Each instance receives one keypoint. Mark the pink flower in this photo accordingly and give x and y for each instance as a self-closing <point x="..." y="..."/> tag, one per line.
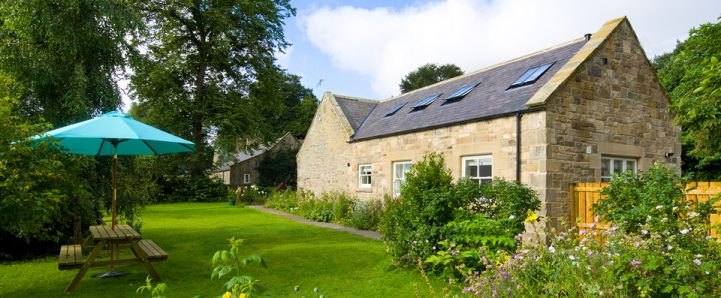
<point x="697" y="262"/>
<point x="582" y="232"/>
<point x="635" y="262"/>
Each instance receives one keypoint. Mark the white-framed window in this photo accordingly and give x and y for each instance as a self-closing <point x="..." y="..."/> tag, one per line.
<point x="612" y="165"/>
<point x="400" y="168"/>
<point x="364" y="175"/>
<point x="478" y="168"/>
<point x="246" y="178"/>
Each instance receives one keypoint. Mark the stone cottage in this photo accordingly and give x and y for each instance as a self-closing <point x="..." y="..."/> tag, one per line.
<point x="576" y="112"/>
<point x="243" y="169"/>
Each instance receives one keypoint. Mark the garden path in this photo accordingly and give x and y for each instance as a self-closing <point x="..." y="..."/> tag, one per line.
<point x="363" y="233"/>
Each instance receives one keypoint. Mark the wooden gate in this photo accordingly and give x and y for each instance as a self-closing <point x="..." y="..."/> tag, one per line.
<point x="584" y="195"/>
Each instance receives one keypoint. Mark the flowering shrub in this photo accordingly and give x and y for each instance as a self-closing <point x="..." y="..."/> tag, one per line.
<point x="621" y="265"/>
<point x="657" y="245"/>
<point x="253" y="195"/>
<point x="653" y="199"/>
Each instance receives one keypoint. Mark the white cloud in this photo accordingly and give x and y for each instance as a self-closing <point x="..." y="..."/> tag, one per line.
<point x="385" y="43"/>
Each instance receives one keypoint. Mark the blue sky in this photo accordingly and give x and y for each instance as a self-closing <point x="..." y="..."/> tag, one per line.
<point x="364" y="48"/>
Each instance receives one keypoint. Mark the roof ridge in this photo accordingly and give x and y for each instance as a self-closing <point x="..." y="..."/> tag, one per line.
<point x="487" y="68"/>
<point x="366" y="100"/>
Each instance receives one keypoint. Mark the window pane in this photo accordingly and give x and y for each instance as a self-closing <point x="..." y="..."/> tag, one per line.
<point x="605" y="167"/>
<point x="486" y="171"/>
<point x="617" y="166"/>
<point x="472" y="168"/>
<point x="631" y="166"/>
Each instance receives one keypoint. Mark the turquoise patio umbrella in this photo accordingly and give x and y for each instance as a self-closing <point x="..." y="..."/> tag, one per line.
<point x="113" y="134"/>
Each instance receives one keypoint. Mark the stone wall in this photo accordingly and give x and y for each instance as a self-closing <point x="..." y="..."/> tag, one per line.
<point x="327" y="162"/>
<point x="612" y="105"/>
<point x="325" y="156"/>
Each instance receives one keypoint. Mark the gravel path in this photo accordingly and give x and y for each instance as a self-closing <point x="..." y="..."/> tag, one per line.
<point x="367" y="234"/>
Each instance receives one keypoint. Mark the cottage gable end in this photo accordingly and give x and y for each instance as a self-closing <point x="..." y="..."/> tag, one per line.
<point x="324" y="155"/>
<point x="610" y="114"/>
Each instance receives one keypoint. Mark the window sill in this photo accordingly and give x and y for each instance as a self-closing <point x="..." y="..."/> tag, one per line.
<point x="364" y="189"/>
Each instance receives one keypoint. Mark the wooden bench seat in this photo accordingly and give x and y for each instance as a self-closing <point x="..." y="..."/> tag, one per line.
<point x="152" y="250"/>
<point x="71" y="257"/>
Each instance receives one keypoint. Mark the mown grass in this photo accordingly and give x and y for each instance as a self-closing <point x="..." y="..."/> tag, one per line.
<point x="338" y="263"/>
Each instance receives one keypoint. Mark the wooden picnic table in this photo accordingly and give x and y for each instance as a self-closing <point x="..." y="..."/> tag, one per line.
<point x="104" y="237"/>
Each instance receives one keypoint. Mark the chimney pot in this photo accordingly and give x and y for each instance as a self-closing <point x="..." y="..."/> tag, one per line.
<point x="587" y="36"/>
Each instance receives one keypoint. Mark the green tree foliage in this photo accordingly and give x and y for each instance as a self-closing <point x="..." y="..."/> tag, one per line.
<point x="691" y="74"/>
<point x="278" y="168"/>
<point x="40" y="192"/>
<point x="202" y="56"/>
<point x="285" y="104"/>
<point x="65" y="54"/>
<point x="427" y="75"/>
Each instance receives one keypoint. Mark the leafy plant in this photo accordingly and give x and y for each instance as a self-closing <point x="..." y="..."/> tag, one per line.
<point x="156" y="291"/>
<point x="230" y="262"/>
<point x="652" y="201"/>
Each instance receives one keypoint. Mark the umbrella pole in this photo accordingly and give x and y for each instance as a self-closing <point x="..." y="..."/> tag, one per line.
<point x="115" y="190"/>
<point x="114" y="249"/>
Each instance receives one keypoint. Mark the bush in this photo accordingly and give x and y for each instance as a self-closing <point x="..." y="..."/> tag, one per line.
<point x="334" y="207"/>
<point x="411" y="225"/>
<point x="620" y="266"/>
<point x="186" y="188"/>
<point x="286" y="200"/>
<point x="432" y="216"/>
<point x="253" y="195"/>
<point x="657" y="245"/>
<point x="366" y="215"/>
<point x="652" y="201"/>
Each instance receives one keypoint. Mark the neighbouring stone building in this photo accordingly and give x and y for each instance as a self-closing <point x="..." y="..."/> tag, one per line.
<point x="243" y="169"/>
<point x="576" y="112"/>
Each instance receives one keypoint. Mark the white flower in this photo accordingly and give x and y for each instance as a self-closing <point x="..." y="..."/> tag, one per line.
<point x="644" y="232"/>
<point x="659" y="207"/>
<point x="670" y="247"/>
<point x="674" y="208"/>
<point x="693" y="214"/>
<point x="572" y="257"/>
<point x="684" y="231"/>
<point x="512" y="216"/>
<point x="552" y="249"/>
<point x="664" y="219"/>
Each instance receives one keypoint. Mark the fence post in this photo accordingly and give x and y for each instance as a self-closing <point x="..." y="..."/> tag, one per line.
<point x="572" y="196"/>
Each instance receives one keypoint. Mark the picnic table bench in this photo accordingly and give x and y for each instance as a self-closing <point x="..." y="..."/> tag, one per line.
<point x="104" y="237"/>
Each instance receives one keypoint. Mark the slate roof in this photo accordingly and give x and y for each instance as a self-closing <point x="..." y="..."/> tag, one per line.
<point x="240" y="157"/>
<point x="355" y="110"/>
<point x="491" y="98"/>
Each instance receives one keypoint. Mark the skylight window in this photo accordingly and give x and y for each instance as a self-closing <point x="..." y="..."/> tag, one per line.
<point x="531" y="75"/>
<point x="425" y="102"/>
<point x="395" y="109"/>
<point x="461" y="92"/>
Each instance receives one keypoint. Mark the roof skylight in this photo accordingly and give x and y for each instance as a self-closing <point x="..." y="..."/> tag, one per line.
<point x="461" y="92"/>
<point x="531" y="75"/>
<point x="425" y="102"/>
<point x="395" y="109"/>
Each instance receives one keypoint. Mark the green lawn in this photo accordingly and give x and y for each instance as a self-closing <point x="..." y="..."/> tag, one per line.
<point x="340" y="264"/>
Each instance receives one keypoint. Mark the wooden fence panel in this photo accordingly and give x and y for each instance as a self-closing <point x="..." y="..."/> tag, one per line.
<point x="585" y="194"/>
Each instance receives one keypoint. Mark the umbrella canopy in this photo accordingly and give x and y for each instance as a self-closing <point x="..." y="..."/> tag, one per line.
<point x="113" y="134"/>
<point x="116" y="133"/>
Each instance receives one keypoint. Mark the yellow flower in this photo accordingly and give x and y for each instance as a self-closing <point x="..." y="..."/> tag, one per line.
<point x="226" y="295"/>
<point x="532" y="216"/>
<point x="242" y="295"/>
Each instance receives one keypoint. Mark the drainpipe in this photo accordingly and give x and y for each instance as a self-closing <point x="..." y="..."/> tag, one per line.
<point x="518" y="146"/>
